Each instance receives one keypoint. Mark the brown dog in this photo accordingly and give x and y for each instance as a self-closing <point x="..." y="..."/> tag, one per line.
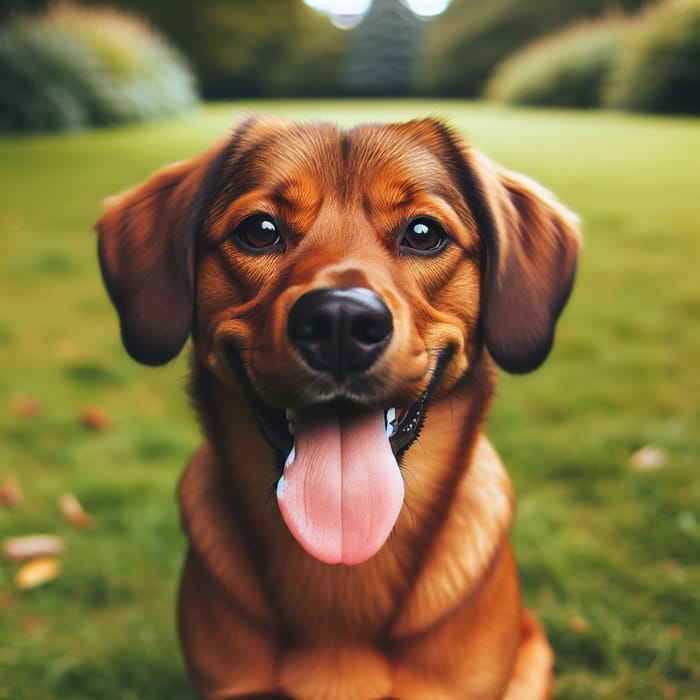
<point x="348" y="520"/>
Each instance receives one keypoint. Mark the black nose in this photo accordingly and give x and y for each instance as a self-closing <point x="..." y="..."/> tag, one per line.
<point x="340" y="330"/>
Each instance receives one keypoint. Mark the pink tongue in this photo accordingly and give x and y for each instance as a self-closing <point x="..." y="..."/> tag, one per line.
<point x="341" y="493"/>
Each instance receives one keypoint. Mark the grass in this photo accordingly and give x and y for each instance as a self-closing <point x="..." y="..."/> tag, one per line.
<point x="608" y="555"/>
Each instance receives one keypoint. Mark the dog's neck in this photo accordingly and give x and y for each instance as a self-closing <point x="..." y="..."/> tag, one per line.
<point x="435" y="468"/>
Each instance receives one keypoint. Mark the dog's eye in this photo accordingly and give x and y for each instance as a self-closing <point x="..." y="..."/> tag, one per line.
<point x="423" y="235"/>
<point x="258" y="232"/>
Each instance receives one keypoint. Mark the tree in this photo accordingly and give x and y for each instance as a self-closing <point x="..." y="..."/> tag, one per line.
<point x="383" y="51"/>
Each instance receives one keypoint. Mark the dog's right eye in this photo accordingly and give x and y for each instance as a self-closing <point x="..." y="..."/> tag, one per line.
<point x="257" y="233"/>
<point x="423" y="236"/>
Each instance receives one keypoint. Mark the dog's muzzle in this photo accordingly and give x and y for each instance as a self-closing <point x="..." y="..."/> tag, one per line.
<point x="340" y="489"/>
<point x="340" y="331"/>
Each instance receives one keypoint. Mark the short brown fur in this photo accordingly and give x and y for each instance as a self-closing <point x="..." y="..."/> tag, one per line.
<point x="436" y="614"/>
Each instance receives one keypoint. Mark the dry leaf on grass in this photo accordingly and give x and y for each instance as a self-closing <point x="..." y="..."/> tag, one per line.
<point x="36" y="573"/>
<point x="73" y="512"/>
<point x="10" y="492"/>
<point x="95" y="418"/>
<point x="578" y="624"/>
<point x="66" y="350"/>
<point x="675" y="631"/>
<point x="7" y="601"/>
<point x="647" y="459"/>
<point x="31" y="546"/>
<point x="26" y="407"/>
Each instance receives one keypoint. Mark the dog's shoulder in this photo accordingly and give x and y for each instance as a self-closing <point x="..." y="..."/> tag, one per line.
<point x="215" y="536"/>
<point x="470" y="540"/>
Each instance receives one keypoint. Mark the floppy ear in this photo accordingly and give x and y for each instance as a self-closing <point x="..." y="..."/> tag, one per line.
<point x="146" y="242"/>
<point x="532" y="249"/>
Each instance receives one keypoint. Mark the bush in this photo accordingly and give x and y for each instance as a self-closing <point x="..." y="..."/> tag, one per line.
<point x="74" y="67"/>
<point x="567" y="69"/>
<point x="310" y="65"/>
<point x="36" y="91"/>
<point x="465" y="44"/>
<point x="658" y="69"/>
<point x="242" y="48"/>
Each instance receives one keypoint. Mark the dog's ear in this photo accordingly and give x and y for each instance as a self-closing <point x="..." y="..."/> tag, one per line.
<point x="531" y="249"/>
<point x="146" y="250"/>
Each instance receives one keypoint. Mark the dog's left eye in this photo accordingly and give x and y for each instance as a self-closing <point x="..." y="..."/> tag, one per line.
<point x="423" y="235"/>
<point x="258" y="232"/>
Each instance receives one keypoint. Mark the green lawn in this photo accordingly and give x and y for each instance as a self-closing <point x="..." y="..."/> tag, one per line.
<point x="609" y="555"/>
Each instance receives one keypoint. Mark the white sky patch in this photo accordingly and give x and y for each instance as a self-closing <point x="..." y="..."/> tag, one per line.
<point x="347" y="14"/>
<point x="427" y="8"/>
<point x="340" y="7"/>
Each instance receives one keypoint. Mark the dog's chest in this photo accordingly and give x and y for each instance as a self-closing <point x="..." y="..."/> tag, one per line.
<point x="338" y="600"/>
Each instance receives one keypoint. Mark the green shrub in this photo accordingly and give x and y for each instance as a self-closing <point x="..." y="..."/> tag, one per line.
<point x="465" y="44"/>
<point x="658" y="69"/>
<point x="40" y="80"/>
<point x="308" y="57"/>
<point x="567" y="69"/>
<point x="74" y="67"/>
<point x="253" y="48"/>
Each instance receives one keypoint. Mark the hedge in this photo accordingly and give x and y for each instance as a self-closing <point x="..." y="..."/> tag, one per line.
<point x="74" y="67"/>
<point x="658" y="69"/>
<point x="463" y="46"/>
<point x="567" y="69"/>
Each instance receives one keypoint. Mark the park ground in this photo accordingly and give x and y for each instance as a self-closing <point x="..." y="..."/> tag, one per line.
<point x="609" y="551"/>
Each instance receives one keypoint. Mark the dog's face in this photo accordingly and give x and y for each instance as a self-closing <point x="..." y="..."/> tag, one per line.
<point x="345" y="279"/>
<point x="352" y="271"/>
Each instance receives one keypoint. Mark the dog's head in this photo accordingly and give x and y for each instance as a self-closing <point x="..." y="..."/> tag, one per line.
<point x="344" y="278"/>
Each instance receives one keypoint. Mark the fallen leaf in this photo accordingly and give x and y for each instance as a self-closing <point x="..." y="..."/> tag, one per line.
<point x="669" y="691"/>
<point x="26" y="407"/>
<point x="36" y="573"/>
<point x="73" y="512"/>
<point x="7" y="601"/>
<point x="10" y="492"/>
<point x="66" y="350"/>
<point x="578" y="624"/>
<point x="671" y="566"/>
<point x="32" y="624"/>
<point x="31" y="546"/>
<point x="647" y="459"/>
<point x="96" y="418"/>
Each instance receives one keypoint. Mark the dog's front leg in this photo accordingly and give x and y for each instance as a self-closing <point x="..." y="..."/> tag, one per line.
<point x="473" y="652"/>
<point x="532" y="675"/>
<point x="228" y="655"/>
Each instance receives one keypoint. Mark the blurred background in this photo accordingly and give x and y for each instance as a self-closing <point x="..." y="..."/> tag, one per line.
<point x="598" y="100"/>
<point x="65" y="65"/>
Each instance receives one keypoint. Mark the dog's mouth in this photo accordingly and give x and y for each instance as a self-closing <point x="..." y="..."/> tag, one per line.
<point x="340" y="488"/>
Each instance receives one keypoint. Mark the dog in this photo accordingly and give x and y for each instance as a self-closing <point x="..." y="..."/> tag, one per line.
<point x="349" y="294"/>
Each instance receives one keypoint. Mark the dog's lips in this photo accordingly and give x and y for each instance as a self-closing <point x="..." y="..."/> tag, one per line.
<point x="341" y="491"/>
